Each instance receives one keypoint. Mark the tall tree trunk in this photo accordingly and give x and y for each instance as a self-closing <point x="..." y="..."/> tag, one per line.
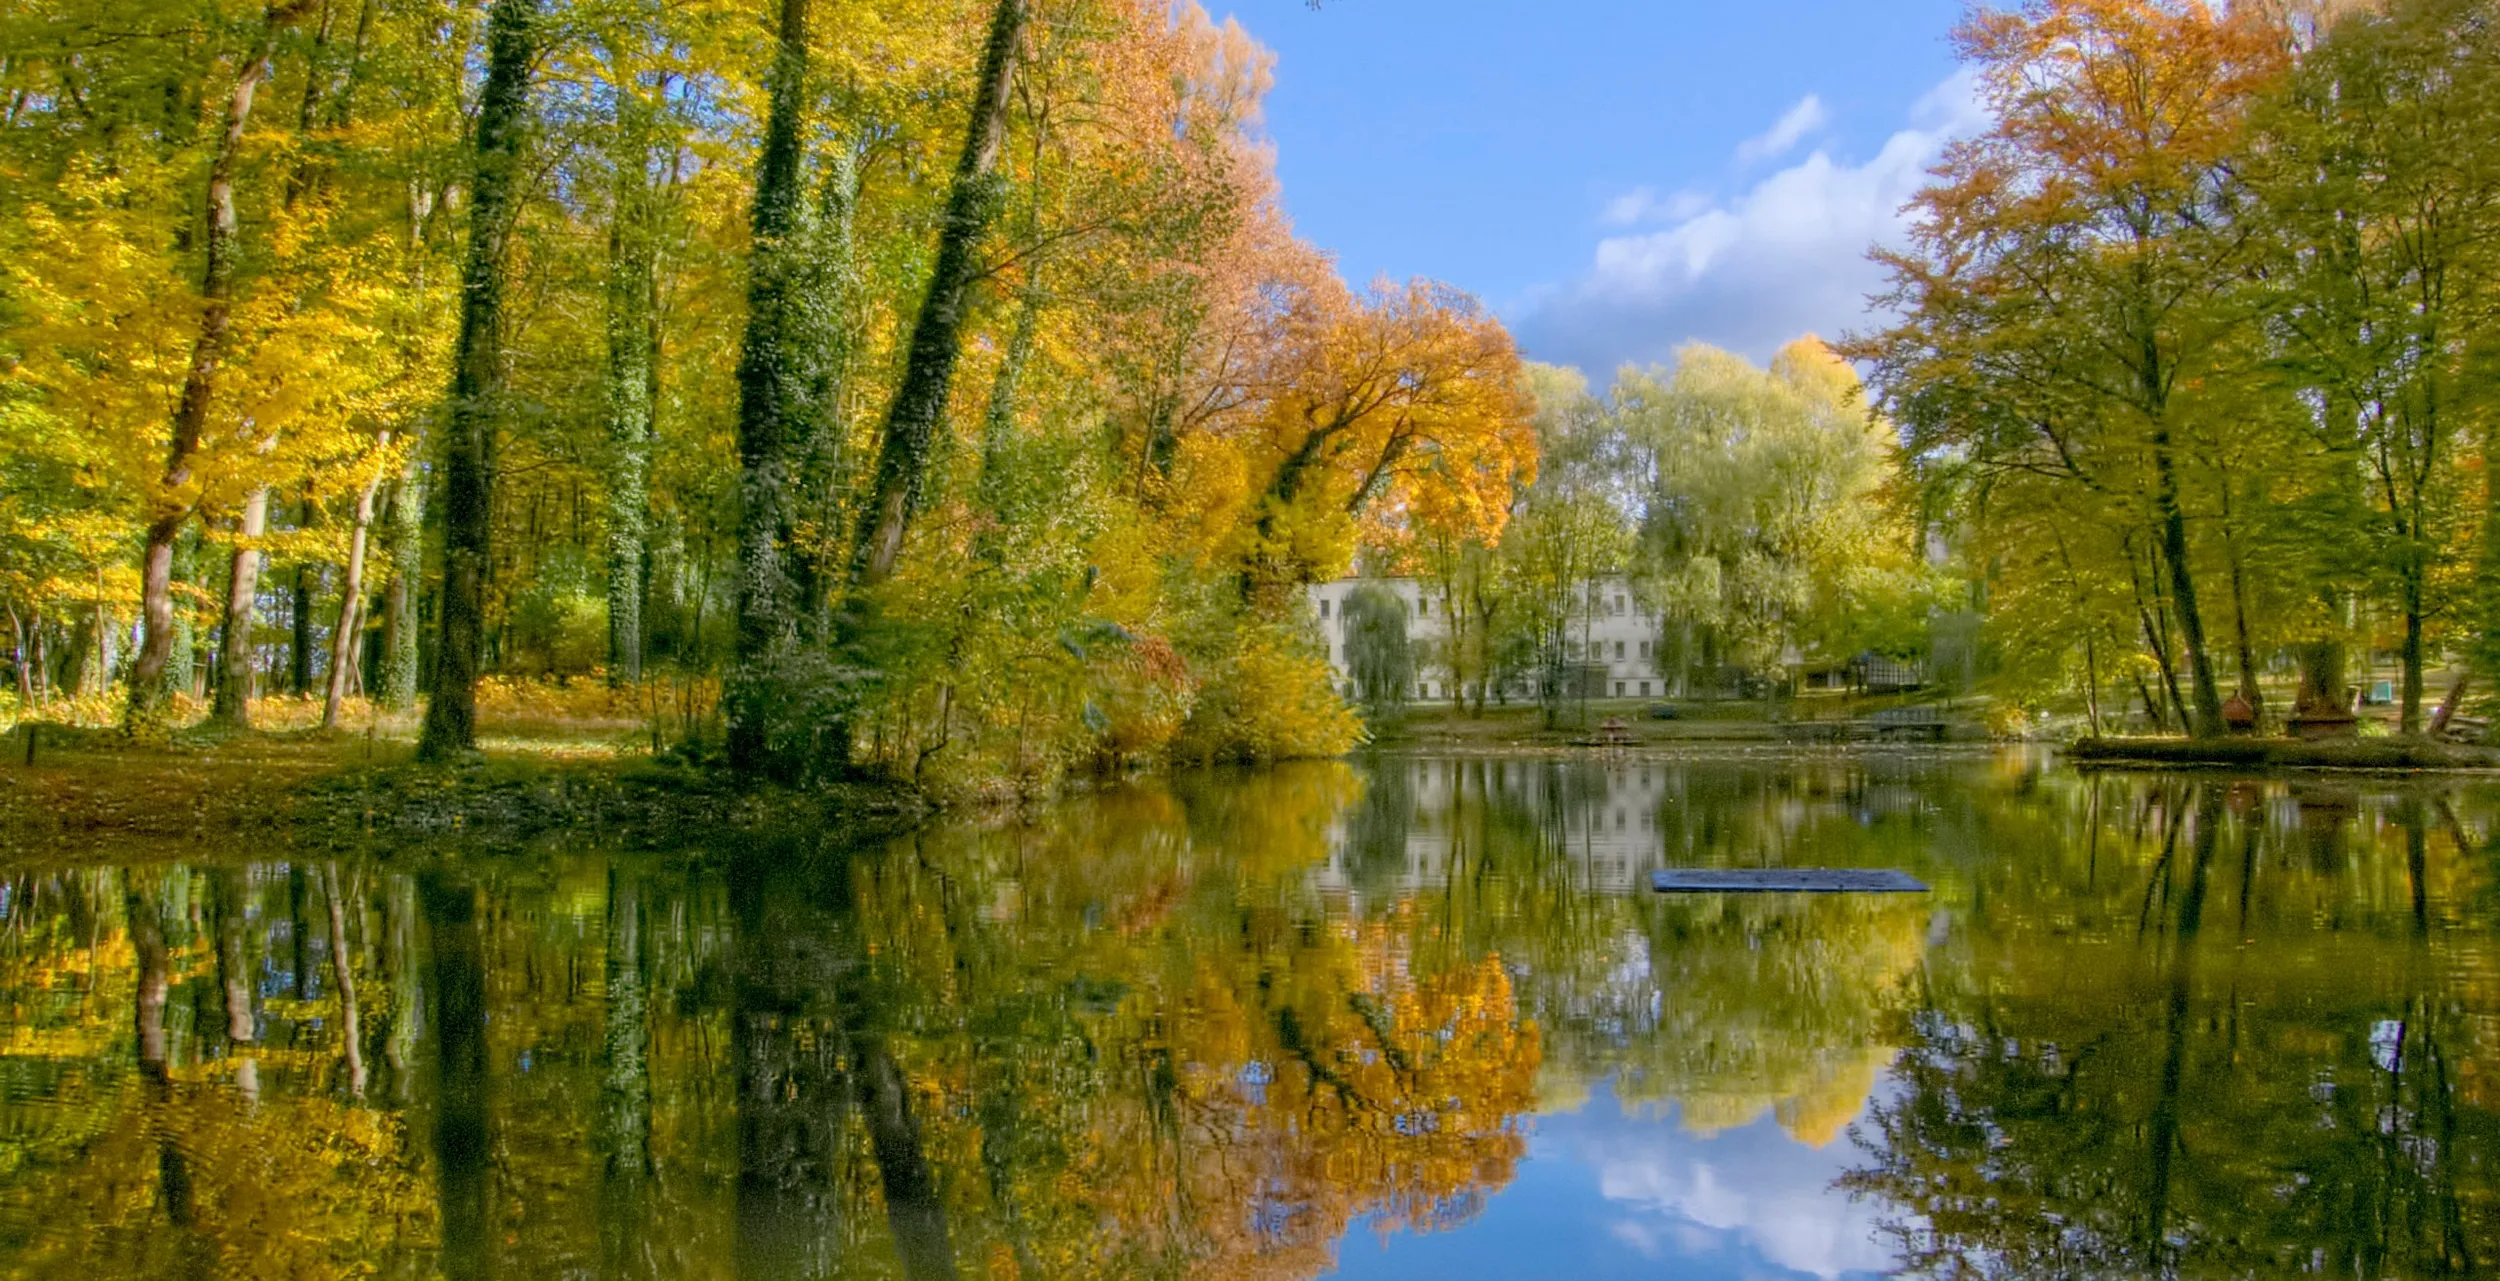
<point x="831" y="279"/>
<point x="2207" y="722"/>
<point x="998" y="421"/>
<point x="397" y="688"/>
<point x="2250" y="690"/>
<point x="2411" y="722"/>
<point x="768" y="388"/>
<point x="920" y="400"/>
<point x="299" y="670"/>
<point x="199" y="383"/>
<point x="23" y="660"/>
<point x="631" y="368"/>
<point x="477" y="382"/>
<point x="182" y="665"/>
<point x="233" y="705"/>
<point x="344" y="637"/>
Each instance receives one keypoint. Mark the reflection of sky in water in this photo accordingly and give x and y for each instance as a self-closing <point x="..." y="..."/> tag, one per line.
<point x="1610" y="1194"/>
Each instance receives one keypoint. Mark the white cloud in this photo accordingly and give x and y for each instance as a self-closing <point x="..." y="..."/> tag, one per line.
<point x="1789" y="130"/>
<point x="1775" y="1198"/>
<point x="1644" y="205"/>
<point x="1785" y="257"/>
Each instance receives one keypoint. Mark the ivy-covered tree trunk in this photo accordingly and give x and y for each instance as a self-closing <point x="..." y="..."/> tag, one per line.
<point x="768" y="387"/>
<point x="199" y="383"/>
<point x="477" y="382"/>
<point x="396" y="687"/>
<point x="826" y="337"/>
<point x="182" y="665"/>
<point x="233" y="704"/>
<point x="998" y="422"/>
<point x="631" y="370"/>
<point x="936" y="339"/>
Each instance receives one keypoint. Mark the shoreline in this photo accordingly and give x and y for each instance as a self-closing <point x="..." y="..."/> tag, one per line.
<point x="94" y="798"/>
<point x="2383" y="755"/>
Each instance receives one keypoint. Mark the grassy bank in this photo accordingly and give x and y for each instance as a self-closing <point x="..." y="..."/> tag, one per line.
<point x="92" y="794"/>
<point x="2281" y="753"/>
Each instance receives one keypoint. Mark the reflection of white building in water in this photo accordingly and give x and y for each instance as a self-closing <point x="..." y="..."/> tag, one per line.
<point x="1611" y="644"/>
<point x="1604" y="822"/>
<point x="1607" y="823"/>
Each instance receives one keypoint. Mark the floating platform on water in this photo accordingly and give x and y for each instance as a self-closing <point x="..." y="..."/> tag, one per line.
<point x="1784" y="880"/>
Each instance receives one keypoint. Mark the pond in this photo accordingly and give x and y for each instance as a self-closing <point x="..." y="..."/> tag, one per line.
<point x="1407" y="1018"/>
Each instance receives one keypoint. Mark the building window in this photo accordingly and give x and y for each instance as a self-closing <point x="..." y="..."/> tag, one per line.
<point x="1618" y="689"/>
<point x="1618" y="650"/>
<point x="1323" y="607"/>
<point x="1644" y="689"/>
<point x="1619" y="605"/>
<point x="1644" y="649"/>
<point x="1424" y="607"/>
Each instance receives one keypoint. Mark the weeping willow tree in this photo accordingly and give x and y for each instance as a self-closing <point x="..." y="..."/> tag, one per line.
<point x="1377" y="652"/>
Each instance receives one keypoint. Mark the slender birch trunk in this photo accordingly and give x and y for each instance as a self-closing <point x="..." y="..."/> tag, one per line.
<point x="343" y="655"/>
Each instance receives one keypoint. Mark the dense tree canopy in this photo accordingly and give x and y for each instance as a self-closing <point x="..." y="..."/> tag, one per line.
<point x="1032" y="391"/>
<point x="2190" y="341"/>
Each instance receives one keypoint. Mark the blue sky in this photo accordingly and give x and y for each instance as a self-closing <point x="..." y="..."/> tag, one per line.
<point x="1613" y="177"/>
<point x="1607" y="1193"/>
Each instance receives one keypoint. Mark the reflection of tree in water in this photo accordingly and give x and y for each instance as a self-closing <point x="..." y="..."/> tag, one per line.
<point x="1727" y="1007"/>
<point x="2205" y="1031"/>
<point x="2197" y="1080"/>
<point x="1174" y="1062"/>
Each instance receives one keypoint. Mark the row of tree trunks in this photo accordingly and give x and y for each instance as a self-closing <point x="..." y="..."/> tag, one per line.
<point x="199" y="384"/>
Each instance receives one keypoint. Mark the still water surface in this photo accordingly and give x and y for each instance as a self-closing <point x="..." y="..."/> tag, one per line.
<point x="1417" y="1018"/>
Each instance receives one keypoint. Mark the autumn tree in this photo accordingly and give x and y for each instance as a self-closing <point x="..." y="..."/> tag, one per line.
<point x="1396" y="405"/>
<point x="2072" y="280"/>
<point x="2379" y="188"/>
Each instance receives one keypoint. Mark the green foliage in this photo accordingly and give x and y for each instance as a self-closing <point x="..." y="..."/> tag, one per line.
<point x="557" y="623"/>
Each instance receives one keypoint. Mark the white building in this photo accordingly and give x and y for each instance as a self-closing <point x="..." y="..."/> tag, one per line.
<point x="1611" y="643"/>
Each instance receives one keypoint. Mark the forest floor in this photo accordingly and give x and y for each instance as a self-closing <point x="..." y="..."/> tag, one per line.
<point x="94" y="795"/>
